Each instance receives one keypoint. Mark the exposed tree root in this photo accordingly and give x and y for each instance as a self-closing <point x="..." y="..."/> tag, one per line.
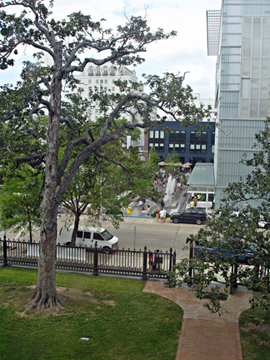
<point x="45" y="301"/>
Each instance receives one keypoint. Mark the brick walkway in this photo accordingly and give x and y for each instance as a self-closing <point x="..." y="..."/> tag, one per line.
<point x="205" y="336"/>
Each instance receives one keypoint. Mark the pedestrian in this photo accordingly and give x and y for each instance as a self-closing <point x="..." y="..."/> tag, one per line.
<point x="163" y="214"/>
<point x="157" y="214"/>
<point x="103" y="213"/>
<point x="162" y="204"/>
<point x="245" y="207"/>
<point x="97" y="212"/>
<point x="158" y="261"/>
<point x="148" y="210"/>
<point x="192" y="204"/>
<point x="150" y="261"/>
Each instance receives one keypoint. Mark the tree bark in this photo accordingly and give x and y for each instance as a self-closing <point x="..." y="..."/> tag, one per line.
<point x="74" y="233"/>
<point x="46" y="295"/>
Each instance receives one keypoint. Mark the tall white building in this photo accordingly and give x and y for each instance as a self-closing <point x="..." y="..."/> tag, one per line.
<point x="239" y="35"/>
<point x="102" y="78"/>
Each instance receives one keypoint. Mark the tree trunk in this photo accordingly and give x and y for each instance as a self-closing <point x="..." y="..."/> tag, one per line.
<point x="46" y="295"/>
<point x="74" y="233"/>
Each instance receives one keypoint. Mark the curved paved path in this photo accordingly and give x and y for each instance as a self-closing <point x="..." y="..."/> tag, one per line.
<point x="205" y="336"/>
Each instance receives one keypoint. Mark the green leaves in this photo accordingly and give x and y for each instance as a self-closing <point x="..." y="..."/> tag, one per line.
<point x="239" y="227"/>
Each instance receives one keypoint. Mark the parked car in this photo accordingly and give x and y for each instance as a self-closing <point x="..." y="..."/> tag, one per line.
<point x="226" y="251"/>
<point x="88" y="237"/>
<point x="197" y="216"/>
<point x="263" y="224"/>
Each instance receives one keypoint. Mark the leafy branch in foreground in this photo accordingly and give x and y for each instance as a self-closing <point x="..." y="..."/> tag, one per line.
<point x="236" y="248"/>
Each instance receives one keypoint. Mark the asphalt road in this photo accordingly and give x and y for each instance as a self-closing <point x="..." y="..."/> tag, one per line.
<point x="138" y="232"/>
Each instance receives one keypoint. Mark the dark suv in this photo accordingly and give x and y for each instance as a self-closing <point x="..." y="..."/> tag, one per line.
<point x="197" y="216"/>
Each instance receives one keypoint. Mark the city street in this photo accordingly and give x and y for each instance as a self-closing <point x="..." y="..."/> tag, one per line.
<point x="136" y="233"/>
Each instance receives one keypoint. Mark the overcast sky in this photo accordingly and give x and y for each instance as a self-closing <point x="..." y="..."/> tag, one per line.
<point x="185" y="52"/>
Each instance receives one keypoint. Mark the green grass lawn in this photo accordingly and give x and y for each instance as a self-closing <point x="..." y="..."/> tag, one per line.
<point x="255" y="338"/>
<point x="120" y="320"/>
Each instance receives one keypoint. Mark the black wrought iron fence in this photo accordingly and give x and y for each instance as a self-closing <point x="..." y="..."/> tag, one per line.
<point x="123" y="262"/>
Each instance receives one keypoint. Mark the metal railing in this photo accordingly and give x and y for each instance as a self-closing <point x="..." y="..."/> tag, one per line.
<point x="94" y="260"/>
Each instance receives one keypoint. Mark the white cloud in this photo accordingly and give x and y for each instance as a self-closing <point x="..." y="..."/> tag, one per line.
<point x="185" y="52"/>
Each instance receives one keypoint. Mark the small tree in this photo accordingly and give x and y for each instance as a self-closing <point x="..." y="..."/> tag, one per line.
<point x="20" y="199"/>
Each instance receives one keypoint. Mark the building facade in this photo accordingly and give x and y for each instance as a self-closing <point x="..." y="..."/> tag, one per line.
<point x="183" y="142"/>
<point x="102" y="78"/>
<point x="239" y="35"/>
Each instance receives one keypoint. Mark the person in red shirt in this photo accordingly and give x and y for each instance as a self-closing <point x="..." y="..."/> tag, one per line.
<point x="157" y="214"/>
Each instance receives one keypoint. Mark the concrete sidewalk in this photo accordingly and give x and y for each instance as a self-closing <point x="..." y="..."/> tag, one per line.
<point x="205" y="336"/>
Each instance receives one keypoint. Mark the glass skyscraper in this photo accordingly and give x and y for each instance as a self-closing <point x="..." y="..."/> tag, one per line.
<point x="239" y="35"/>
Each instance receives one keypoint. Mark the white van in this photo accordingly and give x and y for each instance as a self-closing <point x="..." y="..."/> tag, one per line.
<point x="88" y="236"/>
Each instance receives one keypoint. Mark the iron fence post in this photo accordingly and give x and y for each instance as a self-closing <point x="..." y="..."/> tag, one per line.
<point x="95" y="273"/>
<point x="171" y="260"/>
<point x="5" y="261"/>
<point x="144" y="277"/>
<point x="174" y="258"/>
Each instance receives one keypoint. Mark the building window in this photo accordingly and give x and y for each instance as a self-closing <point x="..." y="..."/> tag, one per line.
<point x="156" y="134"/>
<point x="174" y="135"/>
<point x="213" y="138"/>
<point x="182" y="148"/>
<point x="198" y="144"/>
<point x="182" y="137"/>
<point x="101" y="81"/>
<point x="158" y="146"/>
<point x="97" y="81"/>
<point x="90" y="71"/>
<point x="245" y="84"/>
<point x="204" y="137"/>
<point x="89" y="81"/>
<point x="112" y="71"/>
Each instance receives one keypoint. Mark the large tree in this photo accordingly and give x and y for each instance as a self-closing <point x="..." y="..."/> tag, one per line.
<point x="234" y="230"/>
<point x="41" y="88"/>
